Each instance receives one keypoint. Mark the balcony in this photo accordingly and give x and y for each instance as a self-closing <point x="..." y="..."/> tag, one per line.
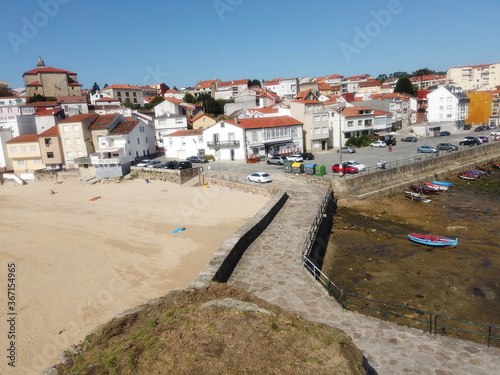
<point x="96" y="159"/>
<point x="223" y="144"/>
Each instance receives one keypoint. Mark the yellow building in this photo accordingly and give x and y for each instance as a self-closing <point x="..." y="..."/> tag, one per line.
<point x="24" y="151"/>
<point x="202" y="121"/>
<point x="479" y="108"/>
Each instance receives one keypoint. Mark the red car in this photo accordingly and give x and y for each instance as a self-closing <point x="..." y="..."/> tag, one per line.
<point x="336" y="168"/>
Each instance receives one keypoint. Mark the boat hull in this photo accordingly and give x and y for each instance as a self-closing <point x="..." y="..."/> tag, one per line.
<point x="431" y="240"/>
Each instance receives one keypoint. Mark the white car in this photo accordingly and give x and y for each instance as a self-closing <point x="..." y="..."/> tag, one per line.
<point x="143" y="163"/>
<point x="378" y="144"/>
<point x="494" y="134"/>
<point x="260" y="177"/>
<point x="356" y="164"/>
<point x="348" y="150"/>
<point x="295" y="158"/>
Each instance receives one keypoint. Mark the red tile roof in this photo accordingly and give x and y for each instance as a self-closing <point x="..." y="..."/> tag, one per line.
<point x="324" y="86"/>
<point x="123" y="87"/>
<point x="124" y="127"/>
<point x="72" y="99"/>
<point x="34" y="83"/>
<point x="79" y="118"/>
<point x="235" y="83"/>
<point x="307" y="101"/>
<point x="267" y="122"/>
<point x="354" y="112"/>
<point x="107" y="100"/>
<point x="24" y="138"/>
<point x="48" y="70"/>
<point x="185" y="133"/>
<point x="264" y="110"/>
<point x="41" y="104"/>
<point x="50" y="132"/>
<point x="49" y="112"/>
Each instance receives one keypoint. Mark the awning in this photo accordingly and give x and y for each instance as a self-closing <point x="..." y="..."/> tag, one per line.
<point x="108" y="150"/>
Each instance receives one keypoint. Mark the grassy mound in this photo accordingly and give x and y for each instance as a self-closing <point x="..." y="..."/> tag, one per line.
<point x="213" y="330"/>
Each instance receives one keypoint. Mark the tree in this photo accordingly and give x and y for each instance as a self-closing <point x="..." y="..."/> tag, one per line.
<point x="398" y="74"/>
<point x="189" y="98"/>
<point x="256" y="82"/>
<point x="422" y="72"/>
<point x="155" y="101"/>
<point x="127" y="103"/>
<point x="95" y="88"/>
<point x="105" y="85"/>
<point x="5" y="90"/>
<point x="404" y="86"/>
<point x="382" y="78"/>
<point x="37" y="98"/>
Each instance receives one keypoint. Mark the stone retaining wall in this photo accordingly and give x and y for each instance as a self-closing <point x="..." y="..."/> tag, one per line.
<point x="171" y="175"/>
<point x="220" y="268"/>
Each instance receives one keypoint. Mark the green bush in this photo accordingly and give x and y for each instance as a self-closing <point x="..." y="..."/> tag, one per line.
<point x="361" y="141"/>
<point x="209" y="157"/>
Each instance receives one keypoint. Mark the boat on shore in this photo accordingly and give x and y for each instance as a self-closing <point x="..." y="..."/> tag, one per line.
<point x="442" y="183"/>
<point x="414" y="196"/>
<point x="432" y="240"/>
<point x="421" y="188"/>
<point x="495" y="165"/>
<point x="436" y="186"/>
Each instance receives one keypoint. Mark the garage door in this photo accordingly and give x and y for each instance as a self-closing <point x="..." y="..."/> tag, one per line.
<point x="181" y="155"/>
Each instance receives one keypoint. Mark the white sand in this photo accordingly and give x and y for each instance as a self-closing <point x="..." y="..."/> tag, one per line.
<point x="81" y="262"/>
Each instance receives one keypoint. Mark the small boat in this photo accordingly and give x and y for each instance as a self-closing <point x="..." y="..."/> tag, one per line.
<point x="442" y="183"/>
<point x="484" y="170"/>
<point x="423" y="189"/>
<point x="436" y="186"/>
<point x="414" y="196"/>
<point x="431" y="240"/>
<point x="466" y="175"/>
<point x="495" y="165"/>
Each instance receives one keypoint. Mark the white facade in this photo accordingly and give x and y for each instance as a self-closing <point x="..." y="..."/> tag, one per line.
<point x="288" y="88"/>
<point x="447" y="103"/>
<point x="225" y="141"/>
<point x="181" y="144"/>
<point x="167" y="107"/>
<point x="5" y="162"/>
<point x="10" y="108"/>
<point x="168" y="124"/>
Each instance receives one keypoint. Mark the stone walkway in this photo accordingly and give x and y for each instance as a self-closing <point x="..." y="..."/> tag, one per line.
<point x="271" y="269"/>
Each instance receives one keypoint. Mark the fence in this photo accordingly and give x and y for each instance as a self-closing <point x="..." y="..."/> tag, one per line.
<point x="388" y="311"/>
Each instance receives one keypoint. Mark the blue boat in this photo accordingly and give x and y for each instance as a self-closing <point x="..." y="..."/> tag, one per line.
<point x="442" y="183"/>
<point x="431" y="240"/>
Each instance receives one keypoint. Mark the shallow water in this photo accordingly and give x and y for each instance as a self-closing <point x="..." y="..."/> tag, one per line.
<point x="369" y="254"/>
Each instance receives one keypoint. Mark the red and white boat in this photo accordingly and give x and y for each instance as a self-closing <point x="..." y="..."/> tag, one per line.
<point x="436" y="186"/>
<point x="432" y="240"/>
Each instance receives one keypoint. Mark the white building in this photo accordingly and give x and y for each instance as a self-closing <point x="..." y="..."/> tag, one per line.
<point x="486" y="77"/>
<point x="183" y="143"/>
<point x="10" y="107"/>
<point x="125" y="92"/>
<point x="119" y="141"/>
<point x="447" y="104"/>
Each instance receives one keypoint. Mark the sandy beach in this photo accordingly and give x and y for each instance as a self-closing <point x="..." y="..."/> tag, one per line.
<point x="79" y="262"/>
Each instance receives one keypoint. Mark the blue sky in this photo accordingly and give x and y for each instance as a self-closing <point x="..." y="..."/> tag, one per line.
<point x="181" y="42"/>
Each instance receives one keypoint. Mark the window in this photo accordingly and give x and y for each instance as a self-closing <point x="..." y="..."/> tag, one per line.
<point x="13" y="149"/>
<point x="230" y="136"/>
<point x="448" y="99"/>
<point x="127" y="94"/>
<point x="360" y="122"/>
<point x="294" y="132"/>
<point x="170" y="142"/>
<point x="222" y="125"/>
<point x="23" y="148"/>
<point x="128" y="140"/>
<point x="32" y="148"/>
<point x="76" y="128"/>
<point x="317" y="118"/>
<point x="254" y="136"/>
<point x="441" y="100"/>
<point x="350" y="123"/>
<point x="119" y="93"/>
<point x="48" y="141"/>
<point x="20" y="162"/>
<point x="37" y="161"/>
<point x="324" y="130"/>
<point x="80" y="154"/>
<point x="138" y="141"/>
<point x="65" y="128"/>
<point x="67" y="141"/>
<point x="200" y="139"/>
<point x="50" y="155"/>
<point x="69" y="155"/>
<point x="441" y="107"/>
<point x="317" y="130"/>
<point x="78" y="141"/>
<point x="183" y="141"/>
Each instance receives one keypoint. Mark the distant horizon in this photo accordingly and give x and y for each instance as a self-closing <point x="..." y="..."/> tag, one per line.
<point x="182" y="44"/>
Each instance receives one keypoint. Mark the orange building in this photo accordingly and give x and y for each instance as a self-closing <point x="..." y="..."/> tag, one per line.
<point x="479" y="107"/>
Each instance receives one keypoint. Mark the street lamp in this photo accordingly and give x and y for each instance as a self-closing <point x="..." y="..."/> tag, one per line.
<point x="339" y="111"/>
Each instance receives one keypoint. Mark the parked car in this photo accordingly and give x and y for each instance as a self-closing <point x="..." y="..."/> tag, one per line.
<point x="152" y="163"/>
<point x="197" y="159"/>
<point x="348" y="150"/>
<point x="143" y="163"/>
<point x="390" y="141"/>
<point x="183" y="165"/>
<point x="295" y="158"/>
<point x="409" y="139"/>
<point x="443" y="134"/>
<point x="481" y="128"/>
<point x="260" y="177"/>
<point x="337" y="168"/>
<point x="484" y="139"/>
<point x="467" y="127"/>
<point x="276" y="160"/>
<point x="358" y="165"/>
<point x="470" y="141"/>
<point x="446" y="146"/>
<point x="169" y="164"/>
<point x="307" y="156"/>
<point x="378" y="144"/>
<point x="494" y="134"/>
<point x="427" y="149"/>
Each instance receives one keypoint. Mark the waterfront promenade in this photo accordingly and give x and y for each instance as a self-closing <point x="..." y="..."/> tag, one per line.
<point x="271" y="269"/>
